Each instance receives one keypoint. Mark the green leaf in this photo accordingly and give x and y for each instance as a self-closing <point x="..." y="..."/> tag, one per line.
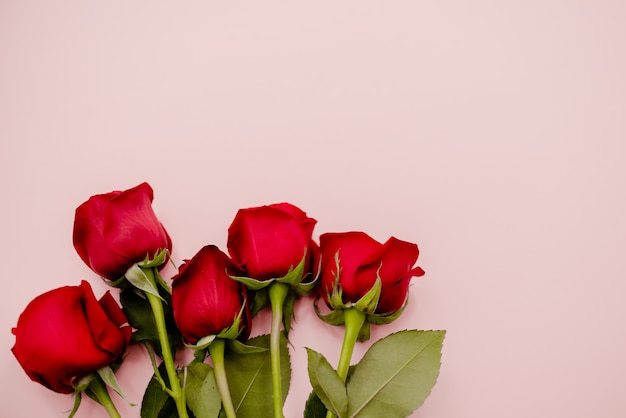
<point x="137" y="309"/>
<point x="155" y="399"/>
<point x="203" y="398"/>
<point x="327" y="384"/>
<point x="289" y="311"/>
<point x="250" y="378"/>
<point x="260" y="300"/>
<point x="364" y="332"/>
<point x="139" y="314"/>
<point x="396" y="375"/>
<point x="314" y="407"/>
<point x="240" y="348"/>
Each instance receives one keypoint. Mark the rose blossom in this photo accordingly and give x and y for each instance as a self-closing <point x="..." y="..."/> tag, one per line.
<point x="65" y="334"/>
<point x="269" y="240"/>
<point x="360" y="259"/>
<point x="205" y="300"/>
<point x="115" y="230"/>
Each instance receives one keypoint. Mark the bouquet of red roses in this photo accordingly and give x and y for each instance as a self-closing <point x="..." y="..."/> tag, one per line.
<point x="71" y="342"/>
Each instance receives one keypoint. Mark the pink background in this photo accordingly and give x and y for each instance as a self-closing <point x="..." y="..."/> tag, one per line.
<point x="492" y="133"/>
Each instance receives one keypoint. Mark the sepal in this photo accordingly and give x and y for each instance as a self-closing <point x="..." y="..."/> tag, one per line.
<point x="108" y="377"/>
<point x="334" y="317"/>
<point x="77" y="399"/>
<point x="135" y="278"/>
<point x="251" y="283"/>
<point x="230" y="333"/>
<point x="84" y="383"/>
<point x="234" y="330"/>
<point x="386" y="318"/>
<point x="304" y="288"/>
<point x="366" y="304"/>
<point x="369" y="301"/>
<point x="202" y="344"/>
<point x="139" y="279"/>
<point x="293" y="278"/>
<point x="158" y="260"/>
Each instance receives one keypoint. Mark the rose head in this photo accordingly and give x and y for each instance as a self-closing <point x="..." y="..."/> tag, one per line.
<point x="352" y="261"/>
<point x="115" y="230"/>
<point x="66" y="334"/>
<point x="205" y="300"/>
<point x="268" y="241"/>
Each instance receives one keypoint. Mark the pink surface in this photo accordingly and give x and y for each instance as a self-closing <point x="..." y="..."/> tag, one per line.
<point x="490" y="133"/>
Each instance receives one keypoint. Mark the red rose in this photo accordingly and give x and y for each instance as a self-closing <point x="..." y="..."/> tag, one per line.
<point x="66" y="334"/>
<point x="205" y="300"/>
<point x="115" y="230"/>
<point x="269" y="240"/>
<point x="359" y="259"/>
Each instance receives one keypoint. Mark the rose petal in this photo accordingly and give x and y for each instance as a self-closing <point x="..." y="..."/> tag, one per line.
<point x="354" y="249"/>
<point x="205" y="299"/>
<point x="397" y="258"/>
<point x="89" y="241"/>
<point x="54" y="340"/>
<point x="307" y="224"/>
<point x="131" y="227"/>
<point x="266" y="241"/>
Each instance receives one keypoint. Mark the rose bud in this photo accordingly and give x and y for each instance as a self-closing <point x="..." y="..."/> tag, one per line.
<point x="352" y="261"/>
<point x="66" y="334"/>
<point x="113" y="231"/>
<point x="269" y="241"/>
<point x="205" y="300"/>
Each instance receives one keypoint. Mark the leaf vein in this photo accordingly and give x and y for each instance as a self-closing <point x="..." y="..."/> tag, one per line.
<point x="386" y="382"/>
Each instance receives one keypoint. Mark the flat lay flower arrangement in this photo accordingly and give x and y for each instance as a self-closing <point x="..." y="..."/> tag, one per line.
<point x="73" y="342"/>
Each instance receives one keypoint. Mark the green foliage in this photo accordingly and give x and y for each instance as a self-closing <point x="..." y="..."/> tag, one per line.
<point x="314" y="407"/>
<point x="139" y="313"/>
<point x="156" y="402"/>
<point x="395" y="375"/>
<point x="203" y="397"/>
<point x="289" y="311"/>
<point x="392" y="380"/>
<point x="250" y="378"/>
<point x="327" y="384"/>
<point x="139" y="278"/>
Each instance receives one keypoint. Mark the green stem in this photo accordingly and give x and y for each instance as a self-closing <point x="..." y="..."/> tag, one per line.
<point x="354" y="320"/>
<point x="277" y="292"/>
<point x="216" y="350"/>
<point x="99" y="389"/>
<point x="159" y="318"/>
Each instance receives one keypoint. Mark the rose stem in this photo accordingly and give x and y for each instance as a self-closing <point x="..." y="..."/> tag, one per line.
<point x="278" y="293"/>
<point x="216" y="350"/>
<point x="354" y="320"/>
<point x="159" y="318"/>
<point x="99" y="389"/>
